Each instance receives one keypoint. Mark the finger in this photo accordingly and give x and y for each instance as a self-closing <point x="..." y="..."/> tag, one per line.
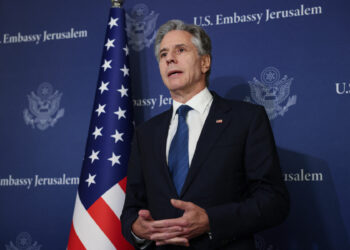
<point x="183" y="205"/>
<point x="180" y="241"/>
<point x="141" y="229"/>
<point x="145" y="214"/>
<point x="178" y="222"/>
<point x="165" y="229"/>
<point x="165" y="236"/>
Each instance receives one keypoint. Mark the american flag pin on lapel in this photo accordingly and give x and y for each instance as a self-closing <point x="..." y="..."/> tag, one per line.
<point x="219" y="121"/>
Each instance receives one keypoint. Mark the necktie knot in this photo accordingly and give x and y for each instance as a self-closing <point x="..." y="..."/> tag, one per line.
<point x="183" y="110"/>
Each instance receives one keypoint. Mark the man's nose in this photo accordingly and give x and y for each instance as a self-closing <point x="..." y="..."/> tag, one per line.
<point x="171" y="57"/>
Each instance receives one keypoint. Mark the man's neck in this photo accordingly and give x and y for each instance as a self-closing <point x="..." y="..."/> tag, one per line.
<point x="183" y="97"/>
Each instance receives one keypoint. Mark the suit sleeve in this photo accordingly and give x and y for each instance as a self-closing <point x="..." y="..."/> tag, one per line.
<point x="266" y="200"/>
<point x="135" y="192"/>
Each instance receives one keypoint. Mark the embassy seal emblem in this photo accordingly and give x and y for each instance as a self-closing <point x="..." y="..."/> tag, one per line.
<point x="260" y="244"/>
<point x="44" y="107"/>
<point x="271" y="92"/>
<point x="23" y="242"/>
<point x="140" y="27"/>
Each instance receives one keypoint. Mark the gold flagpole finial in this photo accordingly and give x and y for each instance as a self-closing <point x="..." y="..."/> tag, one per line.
<point x="117" y="3"/>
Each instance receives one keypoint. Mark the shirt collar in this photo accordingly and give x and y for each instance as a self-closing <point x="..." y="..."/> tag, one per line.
<point x="198" y="102"/>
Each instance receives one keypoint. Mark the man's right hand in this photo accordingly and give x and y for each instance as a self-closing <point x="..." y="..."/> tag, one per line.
<point x="144" y="228"/>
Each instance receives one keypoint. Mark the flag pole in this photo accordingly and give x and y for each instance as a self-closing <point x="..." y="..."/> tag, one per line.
<point x="117" y="3"/>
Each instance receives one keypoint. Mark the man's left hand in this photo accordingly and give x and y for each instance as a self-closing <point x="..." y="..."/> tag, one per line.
<point x="193" y="223"/>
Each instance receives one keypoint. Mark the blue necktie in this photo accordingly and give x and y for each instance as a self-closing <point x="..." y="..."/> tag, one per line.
<point x="178" y="152"/>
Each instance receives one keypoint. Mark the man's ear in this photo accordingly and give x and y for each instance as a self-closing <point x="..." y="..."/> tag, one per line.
<point x="205" y="63"/>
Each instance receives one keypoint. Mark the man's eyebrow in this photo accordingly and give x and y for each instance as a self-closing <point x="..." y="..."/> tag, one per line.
<point x="181" y="45"/>
<point x="176" y="46"/>
<point x="163" y="49"/>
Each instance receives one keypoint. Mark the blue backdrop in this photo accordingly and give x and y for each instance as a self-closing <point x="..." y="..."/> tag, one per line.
<point x="293" y="57"/>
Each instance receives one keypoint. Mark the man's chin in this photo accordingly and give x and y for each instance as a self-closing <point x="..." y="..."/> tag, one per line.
<point x="175" y="85"/>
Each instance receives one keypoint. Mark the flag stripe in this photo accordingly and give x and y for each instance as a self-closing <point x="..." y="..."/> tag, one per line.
<point x="74" y="241"/>
<point x="89" y="233"/>
<point x="109" y="223"/>
<point x="114" y="197"/>
<point x="122" y="184"/>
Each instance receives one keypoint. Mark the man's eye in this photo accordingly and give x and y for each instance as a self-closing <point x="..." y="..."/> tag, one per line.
<point x="181" y="50"/>
<point x="162" y="55"/>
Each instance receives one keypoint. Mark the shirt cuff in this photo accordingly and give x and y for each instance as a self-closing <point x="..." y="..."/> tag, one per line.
<point x="141" y="243"/>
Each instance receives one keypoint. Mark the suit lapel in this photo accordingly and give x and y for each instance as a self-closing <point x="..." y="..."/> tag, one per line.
<point x="160" y="148"/>
<point x="218" y="119"/>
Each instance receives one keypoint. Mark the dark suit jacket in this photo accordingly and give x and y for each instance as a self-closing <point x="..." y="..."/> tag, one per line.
<point x="234" y="175"/>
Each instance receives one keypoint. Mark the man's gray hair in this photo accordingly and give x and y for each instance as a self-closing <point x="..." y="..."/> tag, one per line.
<point x="200" y="38"/>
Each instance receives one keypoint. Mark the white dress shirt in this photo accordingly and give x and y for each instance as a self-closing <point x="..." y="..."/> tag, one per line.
<point x="196" y="117"/>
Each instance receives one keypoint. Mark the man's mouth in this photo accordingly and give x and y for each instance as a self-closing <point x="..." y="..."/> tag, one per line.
<point x="174" y="73"/>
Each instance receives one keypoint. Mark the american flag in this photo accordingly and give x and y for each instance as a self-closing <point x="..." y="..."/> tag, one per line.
<point x="101" y="192"/>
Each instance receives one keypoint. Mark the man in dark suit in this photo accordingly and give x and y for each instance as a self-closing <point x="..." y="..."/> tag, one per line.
<point x="204" y="174"/>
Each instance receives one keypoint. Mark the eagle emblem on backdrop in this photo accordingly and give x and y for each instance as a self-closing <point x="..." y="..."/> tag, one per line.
<point x="44" y="107"/>
<point x="23" y="242"/>
<point x="272" y="92"/>
<point x="260" y="244"/>
<point x="140" y="27"/>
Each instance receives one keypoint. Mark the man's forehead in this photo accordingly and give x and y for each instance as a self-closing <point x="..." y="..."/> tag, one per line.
<point x="176" y="38"/>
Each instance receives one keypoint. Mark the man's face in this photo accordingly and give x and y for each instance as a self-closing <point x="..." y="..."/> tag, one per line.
<point x="182" y="69"/>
